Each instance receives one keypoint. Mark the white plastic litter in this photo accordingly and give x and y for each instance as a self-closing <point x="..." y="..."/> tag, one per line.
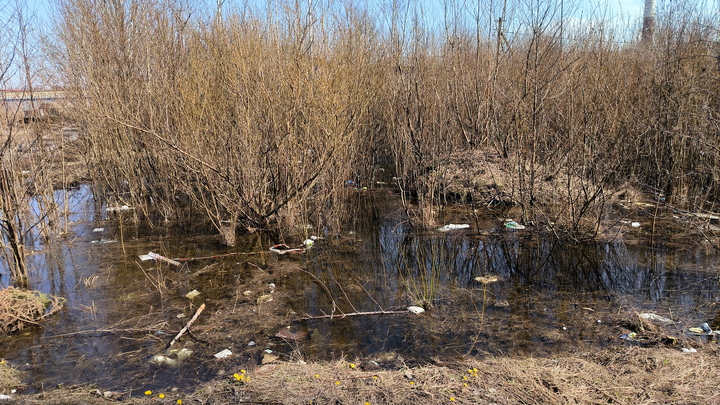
<point x="452" y="227"/>
<point x="223" y="354"/>
<point x="416" y="310"/>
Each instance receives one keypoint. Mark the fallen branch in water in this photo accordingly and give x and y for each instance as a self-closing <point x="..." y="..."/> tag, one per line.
<point x="334" y="316"/>
<point x="183" y="330"/>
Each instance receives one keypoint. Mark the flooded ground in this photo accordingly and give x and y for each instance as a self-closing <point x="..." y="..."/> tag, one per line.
<point x="549" y="296"/>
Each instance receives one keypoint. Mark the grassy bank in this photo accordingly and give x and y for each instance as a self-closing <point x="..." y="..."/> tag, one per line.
<point x="622" y="375"/>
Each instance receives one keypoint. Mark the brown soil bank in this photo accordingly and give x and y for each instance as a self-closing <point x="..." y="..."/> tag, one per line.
<point x="620" y="375"/>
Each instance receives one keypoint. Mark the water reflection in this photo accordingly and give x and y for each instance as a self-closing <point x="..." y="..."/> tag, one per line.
<point x="550" y="295"/>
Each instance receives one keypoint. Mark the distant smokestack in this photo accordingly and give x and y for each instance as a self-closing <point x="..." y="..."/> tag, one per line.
<point x="648" y="21"/>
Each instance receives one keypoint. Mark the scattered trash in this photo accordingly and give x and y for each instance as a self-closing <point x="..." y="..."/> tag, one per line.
<point x="631" y="337"/>
<point x="416" y="309"/>
<point x="161" y="360"/>
<point x="269" y="358"/>
<point x="487" y="279"/>
<point x="268" y="351"/>
<point x="288" y="334"/>
<point x="264" y="298"/>
<point x="655" y="317"/>
<point x="282" y="248"/>
<point x="4" y="397"/>
<point x="272" y="286"/>
<point x="690" y="350"/>
<point x="697" y="331"/>
<point x="183" y="354"/>
<point x="118" y="208"/>
<point x="98" y="229"/>
<point x="156" y="256"/>
<point x="192" y="294"/>
<point x="104" y="241"/>
<point x="706" y="328"/>
<point x="223" y="354"/>
<point x="635" y="224"/>
<point x="501" y="304"/>
<point x="509" y="223"/>
<point x="453" y="227"/>
<point x="251" y="343"/>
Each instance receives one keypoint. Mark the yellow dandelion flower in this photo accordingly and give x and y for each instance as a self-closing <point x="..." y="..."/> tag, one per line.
<point x="161" y="396"/>
<point x="367" y="403"/>
<point x="148" y="392"/>
<point x="452" y="399"/>
<point x="475" y="370"/>
<point x="237" y="376"/>
<point x="317" y="375"/>
<point x="352" y="365"/>
<point x="243" y="371"/>
<point x="375" y="377"/>
<point x="337" y="382"/>
<point x="179" y="401"/>
<point x="464" y="378"/>
<point x="412" y="382"/>
<point x="464" y="384"/>
<point x="469" y="371"/>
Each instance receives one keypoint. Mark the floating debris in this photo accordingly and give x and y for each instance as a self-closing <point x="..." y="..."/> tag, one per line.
<point x="223" y="354"/>
<point x="487" y="279"/>
<point x="192" y="294"/>
<point x="655" y="317"/>
<point x="509" y="223"/>
<point x="453" y="227"/>
<point x="690" y="350"/>
<point x="161" y="360"/>
<point x="415" y="309"/>
<point x="287" y="334"/>
<point x="118" y="208"/>
<point x="501" y="304"/>
<point x="104" y="241"/>
<point x="282" y="248"/>
<point x="635" y="224"/>
<point x="98" y="229"/>
<point x="264" y="298"/>
<point x="156" y="256"/>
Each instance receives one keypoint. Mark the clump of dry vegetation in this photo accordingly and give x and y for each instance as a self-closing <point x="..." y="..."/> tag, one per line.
<point x="20" y="308"/>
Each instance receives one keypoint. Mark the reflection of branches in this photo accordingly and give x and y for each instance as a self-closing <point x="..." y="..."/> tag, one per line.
<point x="342" y="314"/>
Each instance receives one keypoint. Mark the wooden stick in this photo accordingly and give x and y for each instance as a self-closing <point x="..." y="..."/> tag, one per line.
<point x="334" y="316"/>
<point x="183" y="330"/>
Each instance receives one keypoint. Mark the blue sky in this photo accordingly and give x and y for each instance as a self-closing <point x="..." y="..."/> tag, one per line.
<point x="627" y="8"/>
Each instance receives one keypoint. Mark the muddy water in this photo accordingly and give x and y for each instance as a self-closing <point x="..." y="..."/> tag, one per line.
<point x="550" y="297"/>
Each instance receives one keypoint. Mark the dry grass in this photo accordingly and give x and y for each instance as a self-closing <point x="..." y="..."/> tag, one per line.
<point x="622" y="375"/>
<point x="257" y="120"/>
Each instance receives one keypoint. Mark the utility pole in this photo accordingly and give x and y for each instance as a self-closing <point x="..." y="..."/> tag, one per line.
<point x="648" y="22"/>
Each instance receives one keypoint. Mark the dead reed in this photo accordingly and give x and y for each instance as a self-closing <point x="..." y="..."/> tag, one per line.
<point x="257" y="118"/>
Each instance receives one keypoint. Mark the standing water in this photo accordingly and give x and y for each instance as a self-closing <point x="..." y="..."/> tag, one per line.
<point x="487" y="290"/>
